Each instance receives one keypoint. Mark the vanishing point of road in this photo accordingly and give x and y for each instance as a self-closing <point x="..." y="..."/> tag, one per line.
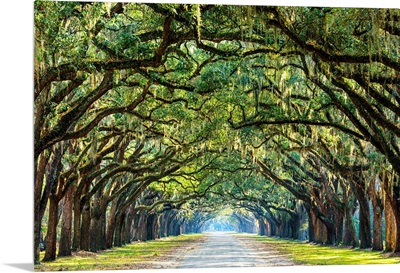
<point x="228" y="249"/>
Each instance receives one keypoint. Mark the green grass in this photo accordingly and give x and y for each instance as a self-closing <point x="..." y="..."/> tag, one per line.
<point x="133" y="256"/>
<point x="312" y="254"/>
<point x="153" y="254"/>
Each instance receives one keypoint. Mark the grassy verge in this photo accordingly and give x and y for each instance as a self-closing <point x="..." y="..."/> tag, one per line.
<point x="312" y="254"/>
<point x="139" y="255"/>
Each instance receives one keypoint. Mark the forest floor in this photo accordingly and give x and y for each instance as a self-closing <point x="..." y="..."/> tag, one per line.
<point x="315" y="254"/>
<point x="155" y="254"/>
<point x="215" y="250"/>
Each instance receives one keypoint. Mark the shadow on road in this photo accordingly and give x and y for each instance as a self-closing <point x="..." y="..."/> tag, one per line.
<point x="228" y="249"/>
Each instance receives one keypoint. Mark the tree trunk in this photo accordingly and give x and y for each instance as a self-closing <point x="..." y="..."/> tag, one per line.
<point x="322" y="233"/>
<point x="176" y="228"/>
<point x="267" y="228"/>
<point x="164" y="224"/>
<point x="39" y="170"/>
<point x="85" y="227"/>
<point x="295" y="226"/>
<point x="135" y="227"/>
<point x="103" y="225"/>
<point x="52" y="180"/>
<point x="36" y="231"/>
<point x="95" y="234"/>
<point x="142" y="226"/>
<point x="66" y="224"/>
<point x="331" y="235"/>
<point x="111" y="225"/>
<point x="392" y="213"/>
<point x="149" y="227"/>
<point x="339" y="227"/>
<point x="156" y="227"/>
<point x="274" y="229"/>
<point x="377" y="207"/>
<point x="283" y="227"/>
<point x="311" y="228"/>
<point x="377" y="240"/>
<point x="397" y="220"/>
<point x="262" y="228"/>
<point x="390" y="226"/>
<point x="97" y="239"/>
<point x="50" y="189"/>
<point x="184" y="228"/>
<point x="280" y="226"/>
<point x="170" y="216"/>
<point x="97" y="228"/>
<point x="76" y="239"/>
<point x="396" y="209"/>
<point x="365" y="225"/>
<point x="51" y="241"/>
<point x="350" y="234"/>
<point x="119" y="225"/>
<point x="117" y="234"/>
<point x="128" y="230"/>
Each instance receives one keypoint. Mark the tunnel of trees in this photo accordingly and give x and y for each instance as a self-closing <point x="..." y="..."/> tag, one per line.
<point x="153" y="120"/>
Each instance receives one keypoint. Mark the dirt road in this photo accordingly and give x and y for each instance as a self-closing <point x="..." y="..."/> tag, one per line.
<point x="227" y="249"/>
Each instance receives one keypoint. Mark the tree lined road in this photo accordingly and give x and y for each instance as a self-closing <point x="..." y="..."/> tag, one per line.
<point x="154" y="120"/>
<point x="227" y="249"/>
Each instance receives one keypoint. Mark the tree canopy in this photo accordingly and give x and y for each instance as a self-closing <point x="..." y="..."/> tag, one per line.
<point x="151" y="118"/>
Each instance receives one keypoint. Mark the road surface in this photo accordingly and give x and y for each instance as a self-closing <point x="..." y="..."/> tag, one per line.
<point x="227" y="249"/>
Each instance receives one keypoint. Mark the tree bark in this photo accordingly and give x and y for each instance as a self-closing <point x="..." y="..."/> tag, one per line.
<point x="320" y="232"/>
<point x="54" y="197"/>
<point x="66" y="224"/>
<point x="164" y="223"/>
<point x="156" y="227"/>
<point x="331" y="235"/>
<point x="111" y="225"/>
<point x="390" y="226"/>
<point x="85" y="227"/>
<point x="310" y="219"/>
<point x="295" y="226"/>
<point x="119" y="226"/>
<point x="79" y="211"/>
<point x="103" y="224"/>
<point x="51" y="241"/>
<point x="38" y="215"/>
<point x="392" y="213"/>
<point x="365" y="225"/>
<point x="377" y="205"/>
<point x="128" y="230"/>
<point x="350" y="235"/>
<point x="76" y="239"/>
<point x="262" y="228"/>
<point x="377" y="240"/>
<point x="95" y="234"/>
<point x="150" y="227"/>
<point x="397" y="220"/>
<point x="396" y="209"/>
<point x="142" y="226"/>
<point x="135" y="227"/>
<point x="358" y="186"/>
<point x="96" y="227"/>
